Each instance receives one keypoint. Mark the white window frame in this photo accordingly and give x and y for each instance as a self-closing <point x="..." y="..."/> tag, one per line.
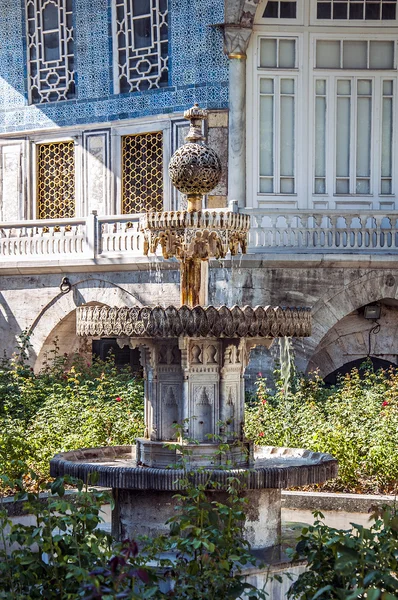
<point x="348" y="22"/>
<point x="331" y="76"/>
<point x="254" y="197"/>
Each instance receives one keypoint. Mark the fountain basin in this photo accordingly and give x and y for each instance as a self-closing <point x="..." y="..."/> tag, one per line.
<point x="144" y="496"/>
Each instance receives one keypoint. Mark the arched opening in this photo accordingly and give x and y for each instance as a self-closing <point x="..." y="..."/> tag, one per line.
<point x="360" y="364"/>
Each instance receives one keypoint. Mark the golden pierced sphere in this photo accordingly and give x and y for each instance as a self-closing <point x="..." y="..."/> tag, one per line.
<point x="195" y="169"/>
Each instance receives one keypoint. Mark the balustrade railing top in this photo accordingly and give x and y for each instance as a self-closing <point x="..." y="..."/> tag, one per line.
<point x="118" y="236"/>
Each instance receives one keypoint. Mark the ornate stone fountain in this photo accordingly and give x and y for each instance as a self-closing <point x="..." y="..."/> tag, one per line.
<point x="194" y="359"/>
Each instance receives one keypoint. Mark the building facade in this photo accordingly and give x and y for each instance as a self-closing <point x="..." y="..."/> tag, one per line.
<point x="302" y="101"/>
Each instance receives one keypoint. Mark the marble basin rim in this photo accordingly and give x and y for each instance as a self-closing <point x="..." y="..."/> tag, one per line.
<point x="273" y="468"/>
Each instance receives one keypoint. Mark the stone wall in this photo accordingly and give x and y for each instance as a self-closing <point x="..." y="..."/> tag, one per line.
<point x="335" y="293"/>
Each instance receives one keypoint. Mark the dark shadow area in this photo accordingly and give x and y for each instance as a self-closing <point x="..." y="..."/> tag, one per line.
<point x="360" y="364"/>
<point x="122" y="356"/>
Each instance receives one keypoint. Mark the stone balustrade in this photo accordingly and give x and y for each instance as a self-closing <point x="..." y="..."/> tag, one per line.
<point x="106" y="238"/>
<point x="348" y="231"/>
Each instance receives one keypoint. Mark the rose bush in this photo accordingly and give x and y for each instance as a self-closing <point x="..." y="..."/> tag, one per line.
<point x="356" y="421"/>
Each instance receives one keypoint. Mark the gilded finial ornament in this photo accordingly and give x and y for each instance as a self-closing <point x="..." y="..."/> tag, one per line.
<point x="194" y="168"/>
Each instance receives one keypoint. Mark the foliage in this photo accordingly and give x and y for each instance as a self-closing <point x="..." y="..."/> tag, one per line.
<point x="52" y="557"/>
<point x="69" y="404"/>
<point x="360" y="563"/>
<point x="64" y="555"/>
<point x="356" y="421"/>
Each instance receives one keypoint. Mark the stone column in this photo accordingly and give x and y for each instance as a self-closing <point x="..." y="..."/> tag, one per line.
<point x="236" y="39"/>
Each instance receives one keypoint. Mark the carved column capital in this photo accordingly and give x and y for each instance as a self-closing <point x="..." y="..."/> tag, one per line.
<point x="236" y="40"/>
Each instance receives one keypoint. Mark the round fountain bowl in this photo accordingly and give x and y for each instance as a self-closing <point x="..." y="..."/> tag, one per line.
<point x="195" y="169"/>
<point x="172" y="322"/>
<point x="273" y="467"/>
<point x="144" y="497"/>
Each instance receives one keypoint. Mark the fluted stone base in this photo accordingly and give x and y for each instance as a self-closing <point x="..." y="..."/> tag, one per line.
<point x="146" y="512"/>
<point x="160" y="455"/>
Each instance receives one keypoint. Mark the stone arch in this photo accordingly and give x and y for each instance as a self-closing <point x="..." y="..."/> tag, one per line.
<point x="341" y="307"/>
<point x="58" y="316"/>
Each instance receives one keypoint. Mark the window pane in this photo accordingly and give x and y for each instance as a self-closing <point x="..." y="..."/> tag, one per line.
<point x="362" y="186"/>
<point x="266" y="86"/>
<point x="364" y="87"/>
<point x="327" y="54"/>
<point x="320" y="87"/>
<point x="51" y="47"/>
<point x="142" y="33"/>
<point x="344" y="87"/>
<point x="386" y="186"/>
<point x="386" y="138"/>
<point x="271" y="10"/>
<point x="287" y="186"/>
<point x="320" y="186"/>
<point x="342" y="186"/>
<point x="268" y="53"/>
<point x="50" y="17"/>
<point x="381" y="55"/>
<point x="141" y="7"/>
<point x="343" y="137"/>
<point x="287" y="86"/>
<point x="266" y="185"/>
<point x="364" y="128"/>
<point x="324" y="10"/>
<point x="287" y="136"/>
<point x="288" y="10"/>
<point x="266" y="135"/>
<point x="320" y="136"/>
<point x="287" y="54"/>
<point x="355" y="55"/>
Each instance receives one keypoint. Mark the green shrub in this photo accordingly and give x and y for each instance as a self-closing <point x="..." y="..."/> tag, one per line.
<point x="62" y="408"/>
<point x="355" y="421"/>
<point x="360" y="563"/>
<point x="65" y="556"/>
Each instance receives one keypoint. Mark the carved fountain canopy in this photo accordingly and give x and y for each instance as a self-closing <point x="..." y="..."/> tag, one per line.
<point x="172" y="322"/>
<point x="199" y="234"/>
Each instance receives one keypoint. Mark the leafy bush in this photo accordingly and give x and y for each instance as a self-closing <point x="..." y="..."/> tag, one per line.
<point x="360" y="563"/>
<point x="63" y="408"/>
<point x="65" y="556"/>
<point x="53" y="557"/>
<point x="355" y="421"/>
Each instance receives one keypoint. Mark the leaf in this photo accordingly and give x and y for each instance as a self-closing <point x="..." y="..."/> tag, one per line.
<point x="326" y="588"/>
<point x="373" y="594"/>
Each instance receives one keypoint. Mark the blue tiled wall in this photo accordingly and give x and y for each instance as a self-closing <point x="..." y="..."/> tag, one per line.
<point x="198" y="68"/>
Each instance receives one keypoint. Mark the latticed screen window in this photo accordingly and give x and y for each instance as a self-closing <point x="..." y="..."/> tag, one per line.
<point x="369" y="10"/>
<point x="55" y="180"/>
<point x="142" y="172"/>
<point x="50" y="50"/>
<point x="283" y="9"/>
<point x="142" y="44"/>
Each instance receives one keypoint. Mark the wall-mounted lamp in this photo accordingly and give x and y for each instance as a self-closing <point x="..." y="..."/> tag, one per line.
<point x="372" y="312"/>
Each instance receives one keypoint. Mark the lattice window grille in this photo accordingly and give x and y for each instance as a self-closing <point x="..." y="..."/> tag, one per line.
<point x="142" y="173"/>
<point x="142" y="45"/>
<point x="50" y="46"/>
<point x="56" y="180"/>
